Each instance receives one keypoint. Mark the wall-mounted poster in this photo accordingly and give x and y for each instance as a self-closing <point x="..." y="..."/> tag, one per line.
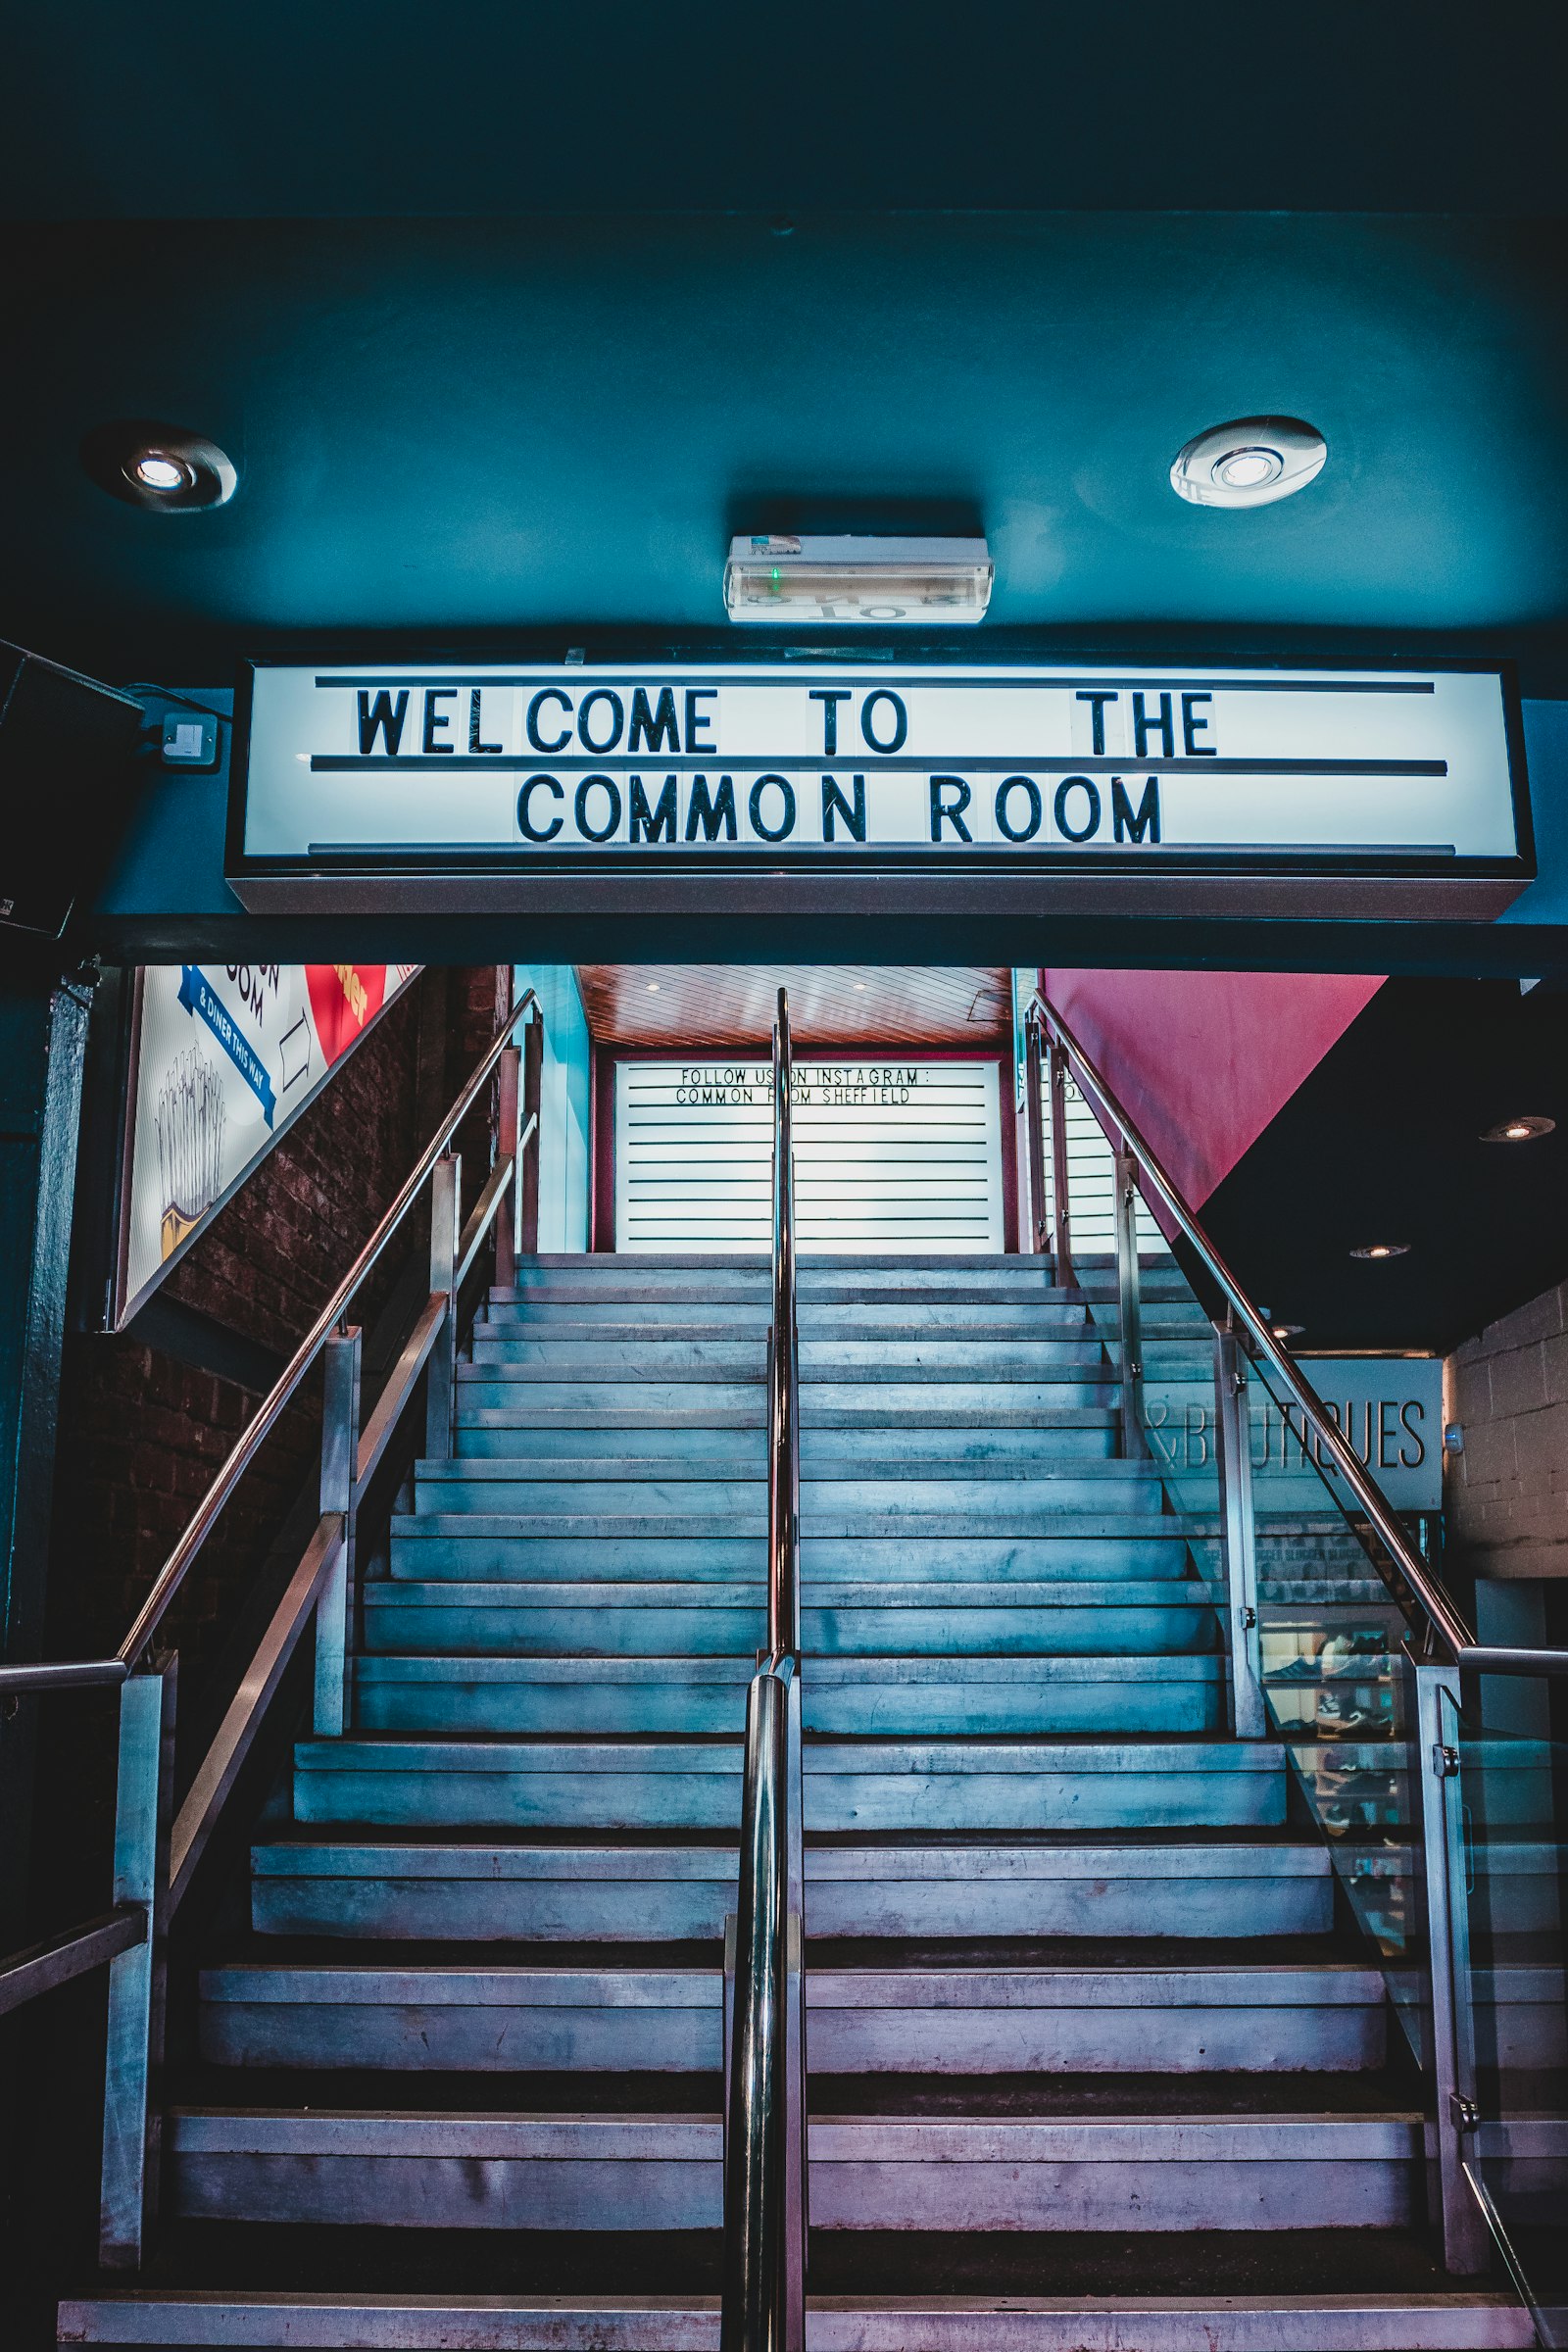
<point x="223" y="1057"/>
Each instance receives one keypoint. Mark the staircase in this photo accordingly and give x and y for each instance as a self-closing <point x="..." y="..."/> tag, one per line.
<point x="1091" y="2068"/>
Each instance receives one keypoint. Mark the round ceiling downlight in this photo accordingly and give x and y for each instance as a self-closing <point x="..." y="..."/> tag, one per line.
<point x="1382" y="1249"/>
<point x="156" y="469"/>
<point x="1518" y="1131"/>
<point x="161" y="468"/>
<point x="1247" y="468"/>
<point x="1249" y="463"/>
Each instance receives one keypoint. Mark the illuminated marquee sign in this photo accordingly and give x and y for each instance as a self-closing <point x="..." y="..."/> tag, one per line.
<point x="799" y="766"/>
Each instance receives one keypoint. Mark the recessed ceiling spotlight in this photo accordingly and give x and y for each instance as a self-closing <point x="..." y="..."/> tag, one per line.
<point x="156" y="469"/>
<point x="1517" y="1131"/>
<point x="1383" y="1249"/>
<point x="1288" y="1331"/>
<point x="652" y="988"/>
<point x="1250" y="463"/>
<point x="860" y="987"/>
<point x="162" y="468"/>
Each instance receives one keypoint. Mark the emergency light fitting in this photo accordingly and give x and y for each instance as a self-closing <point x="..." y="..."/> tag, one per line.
<point x="862" y="583"/>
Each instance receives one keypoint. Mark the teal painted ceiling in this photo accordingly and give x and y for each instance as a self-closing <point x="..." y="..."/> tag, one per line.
<point x="511" y="315"/>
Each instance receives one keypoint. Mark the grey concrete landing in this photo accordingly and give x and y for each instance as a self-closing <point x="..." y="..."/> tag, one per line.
<point x="292" y="2323"/>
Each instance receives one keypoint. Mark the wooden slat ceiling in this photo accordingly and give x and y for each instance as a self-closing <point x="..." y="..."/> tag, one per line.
<point x="687" y="1006"/>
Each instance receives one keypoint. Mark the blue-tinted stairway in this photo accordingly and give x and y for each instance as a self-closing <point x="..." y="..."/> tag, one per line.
<point x="1072" y="1978"/>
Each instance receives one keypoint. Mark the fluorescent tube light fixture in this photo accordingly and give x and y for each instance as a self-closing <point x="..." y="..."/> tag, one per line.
<point x="772" y="576"/>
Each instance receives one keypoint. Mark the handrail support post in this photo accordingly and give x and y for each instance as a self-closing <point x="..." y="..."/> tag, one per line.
<point x="1466" y="2242"/>
<point x="533" y="1064"/>
<point x="340" y="1446"/>
<point x="1061" y="1202"/>
<point x="441" y="1379"/>
<point x="508" y="1075"/>
<point x="1239" y="1535"/>
<point x="1129" y="1304"/>
<point x="133" y="2059"/>
<point x="1034" y="1112"/>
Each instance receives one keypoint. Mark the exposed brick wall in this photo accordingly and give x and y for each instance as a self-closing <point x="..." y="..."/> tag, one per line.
<point x="143" y="1434"/>
<point x="1507" y="1492"/>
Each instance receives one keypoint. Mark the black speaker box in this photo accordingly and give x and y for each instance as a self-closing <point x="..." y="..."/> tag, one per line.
<point x="67" y="777"/>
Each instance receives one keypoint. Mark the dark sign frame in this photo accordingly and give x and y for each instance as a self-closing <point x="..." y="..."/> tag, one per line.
<point x="896" y="878"/>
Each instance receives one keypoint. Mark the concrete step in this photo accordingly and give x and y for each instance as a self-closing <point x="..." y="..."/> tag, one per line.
<point x="153" y="2318"/>
<point x="909" y="1504"/>
<point x="818" y="1316"/>
<point x="1096" y="1270"/>
<point x="622" y="1403"/>
<point x="1270" y="2018"/>
<point x="645" y="1358"/>
<point x="474" y="1548"/>
<point x="614" y="1399"/>
<point x="876" y="1786"/>
<point x="665" y="2171"/>
<point x="1062" y="1618"/>
<point x="490" y="1432"/>
<point x="910" y="1697"/>
<point x="744" y="1445"/>
<point x="1180" y="1884"/>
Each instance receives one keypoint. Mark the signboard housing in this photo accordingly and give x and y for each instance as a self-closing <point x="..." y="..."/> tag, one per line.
<point x="1132" y="786"/>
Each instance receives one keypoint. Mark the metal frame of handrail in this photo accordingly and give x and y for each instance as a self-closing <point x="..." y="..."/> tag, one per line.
<point x="1446" y="1633"/>
<point x="765" y="2167"/>
<point x="783" y="1367"/>
<point x="173" y="1572"/>
<point x="1439" y="1651"/>
<point x="155" y="1852"/>
<point x="1483" y="1658"/>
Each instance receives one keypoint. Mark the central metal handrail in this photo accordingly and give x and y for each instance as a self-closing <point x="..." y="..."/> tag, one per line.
<point x="763" y="2303"/>
<point x="1444" y="1632"/>
<point x="173" y="1574"/>
<point x="783" y="1367"/>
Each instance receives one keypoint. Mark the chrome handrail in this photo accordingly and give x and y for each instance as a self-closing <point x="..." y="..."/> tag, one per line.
<point x="1485" y="1658"/>
<point x="757" y="2137"/>
<point x="783" y="1361"/>
<point x="173" y="1572"/>
<point x="1445" y="1632"/>
<point x="765" y="2148"/>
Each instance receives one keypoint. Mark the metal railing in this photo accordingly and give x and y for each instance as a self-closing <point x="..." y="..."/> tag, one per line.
<point x="1421" y="1599"/>
<point x="1440" y="1647"/>
<point x="763" y="2305"/>
<point x="157" y="1850"/>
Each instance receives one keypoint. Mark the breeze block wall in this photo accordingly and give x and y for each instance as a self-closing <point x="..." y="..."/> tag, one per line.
<point x="1507" y="1491"/>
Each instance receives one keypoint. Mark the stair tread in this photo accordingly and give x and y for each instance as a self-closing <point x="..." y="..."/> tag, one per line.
<point x="601" y="2318"/>
<point x="973" y="1554"/>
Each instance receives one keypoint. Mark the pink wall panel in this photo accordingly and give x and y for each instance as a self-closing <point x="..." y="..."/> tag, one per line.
<point x="1204" y="1061"/>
